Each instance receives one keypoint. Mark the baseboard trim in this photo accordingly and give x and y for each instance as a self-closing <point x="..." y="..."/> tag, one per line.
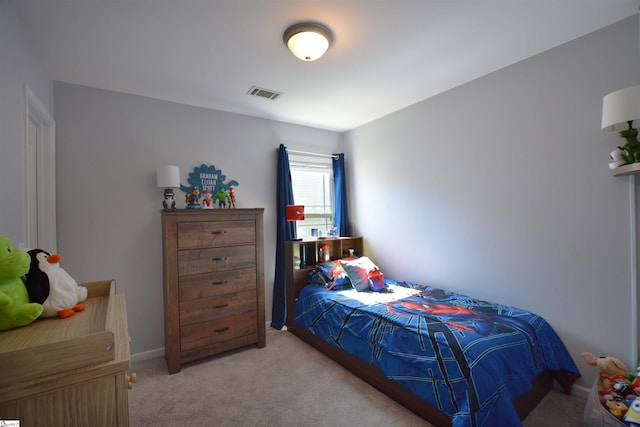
<point x="150" y="354"/>
<point x="580" y="391"/>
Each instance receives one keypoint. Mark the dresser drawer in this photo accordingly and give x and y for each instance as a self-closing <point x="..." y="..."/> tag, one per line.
<point x="210" y="284"/>
<point x="196" y="261"/>
<point x="219" y="330"/>
<point x="212" y="308"/>
<point x="215" y="233"/>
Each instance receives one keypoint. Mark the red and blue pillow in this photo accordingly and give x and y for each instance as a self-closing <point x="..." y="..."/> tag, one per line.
<point x="364" y="274"/>
<point x="359" y="273"/>
<point x="332" y="275"/>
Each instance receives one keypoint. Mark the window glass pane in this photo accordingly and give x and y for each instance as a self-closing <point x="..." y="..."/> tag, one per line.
<point x="312" y="180"/>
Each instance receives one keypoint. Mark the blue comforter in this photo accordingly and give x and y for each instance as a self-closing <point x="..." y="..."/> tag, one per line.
<point x="468" y="358"/>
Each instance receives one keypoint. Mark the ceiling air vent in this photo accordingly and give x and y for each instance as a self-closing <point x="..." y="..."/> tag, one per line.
<point x="264" y="93"/>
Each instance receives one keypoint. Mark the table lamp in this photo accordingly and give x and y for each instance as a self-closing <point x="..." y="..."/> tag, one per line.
<point x="168" y="177"/>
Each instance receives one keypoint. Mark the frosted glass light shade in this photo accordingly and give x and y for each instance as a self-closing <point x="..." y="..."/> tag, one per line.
<point x="620" y="107"/>
<point x="308" y="41"/>
<point x="308" y="46"/>
<point x="168" y="177"/>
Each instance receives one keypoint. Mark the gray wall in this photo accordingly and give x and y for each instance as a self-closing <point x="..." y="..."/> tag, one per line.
<point x="109" y="146"/>
<point x="19" y="64"/>
<point x="501" y="189"/>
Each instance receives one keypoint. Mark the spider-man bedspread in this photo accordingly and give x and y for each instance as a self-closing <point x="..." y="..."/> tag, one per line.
<point x="468" y="358"/>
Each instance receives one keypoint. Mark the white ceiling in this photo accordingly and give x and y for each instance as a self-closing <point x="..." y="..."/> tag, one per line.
<point x="387" y="54"/>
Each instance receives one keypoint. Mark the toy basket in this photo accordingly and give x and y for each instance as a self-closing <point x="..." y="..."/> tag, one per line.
<point x="597" y="415"/>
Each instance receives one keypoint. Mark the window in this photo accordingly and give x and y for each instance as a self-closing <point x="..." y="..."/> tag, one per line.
<point x="312" y="180"/>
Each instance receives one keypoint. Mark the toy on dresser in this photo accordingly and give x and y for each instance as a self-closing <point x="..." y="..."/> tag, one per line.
<point x="15" y="307"/>
<point x="52" y="286"/>
<point x="618" y="388"/>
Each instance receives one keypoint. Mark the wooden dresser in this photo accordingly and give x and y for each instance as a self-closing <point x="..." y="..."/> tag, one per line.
<point x="69" y="372"/>
<point x="213" y="282"/>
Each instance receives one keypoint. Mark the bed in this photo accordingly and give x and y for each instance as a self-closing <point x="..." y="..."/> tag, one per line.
<point x="452" y="359"/>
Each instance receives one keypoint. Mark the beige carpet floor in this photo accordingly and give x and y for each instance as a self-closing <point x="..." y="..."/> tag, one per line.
<point x="287" y="383"/>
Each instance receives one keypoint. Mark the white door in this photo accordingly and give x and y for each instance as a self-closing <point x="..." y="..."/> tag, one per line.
<point x="39" y="180"/>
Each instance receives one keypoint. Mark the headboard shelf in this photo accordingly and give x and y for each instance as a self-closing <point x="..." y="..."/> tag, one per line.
<point x="297" y="277"/>
<point x="338" y="248"/>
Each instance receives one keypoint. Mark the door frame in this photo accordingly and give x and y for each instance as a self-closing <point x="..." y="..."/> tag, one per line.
<point x="45" y="236"/>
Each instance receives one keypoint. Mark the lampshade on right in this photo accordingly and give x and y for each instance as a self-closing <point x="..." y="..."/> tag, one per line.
<point x="621" y="108"/>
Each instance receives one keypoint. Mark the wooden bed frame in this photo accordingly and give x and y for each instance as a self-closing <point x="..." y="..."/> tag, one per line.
<point x="296" y="279"/>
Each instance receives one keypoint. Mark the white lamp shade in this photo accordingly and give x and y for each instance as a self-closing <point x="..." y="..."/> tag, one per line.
<point x="168" y="177"/>
<point x="619" y="107"/>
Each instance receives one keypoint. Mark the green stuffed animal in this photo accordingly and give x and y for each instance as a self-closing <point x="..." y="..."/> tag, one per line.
<point x="15" y="308"/>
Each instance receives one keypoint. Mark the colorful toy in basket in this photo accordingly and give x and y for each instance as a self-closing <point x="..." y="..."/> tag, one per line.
<point x="635" y="383"/>
<point x="610" y="369"/>
<point x="632" y="417"/>
<point x="617" y="409"/>
<point x="617" y="388"/>
<point x="51" y="285"/>
<point x="15" y="308"/>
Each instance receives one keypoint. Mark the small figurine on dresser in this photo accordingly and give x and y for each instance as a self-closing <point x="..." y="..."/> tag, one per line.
<point x="232" y="196"/>
<point x="207" y="199"/>
<point x="192" y="198"/>
<point x="223" y="198"/>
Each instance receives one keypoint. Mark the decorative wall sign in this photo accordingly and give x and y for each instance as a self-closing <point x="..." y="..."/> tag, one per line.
<point x="208" y="182"/>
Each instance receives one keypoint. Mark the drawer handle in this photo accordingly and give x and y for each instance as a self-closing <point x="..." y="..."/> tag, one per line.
<point x="220" y="330"/>
<point x="222" y="258"/>
<point x="221" y="282"/>
<point x="221" y="306"/>
<point x="219" y="232"/>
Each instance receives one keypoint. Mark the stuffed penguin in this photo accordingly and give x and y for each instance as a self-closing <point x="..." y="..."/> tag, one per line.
<point x="48" y="282"/>
<point x="36" y="280"/>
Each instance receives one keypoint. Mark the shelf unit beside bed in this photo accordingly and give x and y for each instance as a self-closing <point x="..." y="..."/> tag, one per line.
<point x="338" y="248"/>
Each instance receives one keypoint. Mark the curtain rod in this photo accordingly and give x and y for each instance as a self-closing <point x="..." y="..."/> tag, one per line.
<point x="333" y="156"/>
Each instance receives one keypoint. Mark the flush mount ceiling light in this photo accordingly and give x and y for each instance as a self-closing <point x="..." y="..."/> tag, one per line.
<point x="308" y="41"/>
